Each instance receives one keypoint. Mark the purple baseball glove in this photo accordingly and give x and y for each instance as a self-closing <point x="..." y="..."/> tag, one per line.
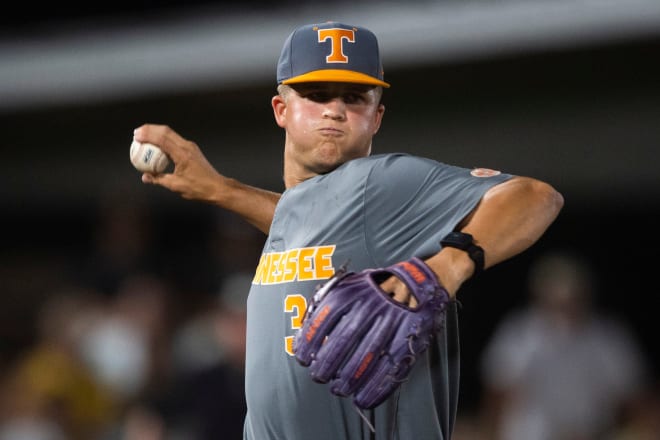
<point x="362" y="341"/>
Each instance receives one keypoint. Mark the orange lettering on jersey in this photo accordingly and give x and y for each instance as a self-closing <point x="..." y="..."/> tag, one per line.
<point x="259" y="276"/>
<point x="274" y="272"/>
<point x="306" y="264"/>
<point x="323" y="262"/>
<point x="310" y="263"/>
<point x="336" y="37"/>
<point x="290" y="266"/>
<point x="268" y="270"/>
<point x="296" y="305"/>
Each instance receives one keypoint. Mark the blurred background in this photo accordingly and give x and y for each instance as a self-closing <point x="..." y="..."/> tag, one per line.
<point x="121" y="305"/>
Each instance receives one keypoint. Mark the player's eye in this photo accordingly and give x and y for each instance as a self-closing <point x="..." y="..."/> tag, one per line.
<point x="319" y="96"/>
<point x="353" y="98"/>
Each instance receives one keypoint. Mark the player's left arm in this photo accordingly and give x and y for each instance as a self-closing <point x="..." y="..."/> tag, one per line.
<point x="510" y="217"/>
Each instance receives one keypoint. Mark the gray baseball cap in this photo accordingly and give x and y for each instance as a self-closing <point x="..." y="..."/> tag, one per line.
<point x="331" y="52"/>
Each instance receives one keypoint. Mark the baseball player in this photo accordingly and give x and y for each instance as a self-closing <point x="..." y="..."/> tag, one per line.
<point x="364" y="251"/>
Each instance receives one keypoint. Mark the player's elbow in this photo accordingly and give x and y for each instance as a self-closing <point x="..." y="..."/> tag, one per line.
<point x="547" y="200"/>
<point x="535" y="198"/>
<point x="552" y="199"/>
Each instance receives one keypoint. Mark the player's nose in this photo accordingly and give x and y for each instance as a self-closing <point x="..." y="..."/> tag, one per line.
<point x="334" y="109"/>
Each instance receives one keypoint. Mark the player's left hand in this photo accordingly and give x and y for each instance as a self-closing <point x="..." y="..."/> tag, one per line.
<point x="360" y="339"/>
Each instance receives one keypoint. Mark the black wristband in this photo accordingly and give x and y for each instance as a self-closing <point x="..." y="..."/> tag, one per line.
<point x="465" y="242"/>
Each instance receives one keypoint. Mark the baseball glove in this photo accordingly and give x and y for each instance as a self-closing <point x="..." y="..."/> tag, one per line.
<point x="362" y="341"/>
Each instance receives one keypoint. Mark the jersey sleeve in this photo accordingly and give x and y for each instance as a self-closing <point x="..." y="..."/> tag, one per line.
<point x="412" y="202"/>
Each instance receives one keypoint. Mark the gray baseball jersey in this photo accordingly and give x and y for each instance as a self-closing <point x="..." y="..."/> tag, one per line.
<point x="370" y="212"/>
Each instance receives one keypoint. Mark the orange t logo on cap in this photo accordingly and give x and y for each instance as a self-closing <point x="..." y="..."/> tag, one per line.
<point x="337" y="37"/>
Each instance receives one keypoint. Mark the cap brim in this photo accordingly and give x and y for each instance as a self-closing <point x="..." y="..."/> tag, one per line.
<point x="336" y="75"/>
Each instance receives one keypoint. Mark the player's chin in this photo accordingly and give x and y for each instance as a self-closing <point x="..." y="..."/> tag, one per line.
<point x="330" y="157"/>
<point x="327" y="159"/>
<point x="325" y="168"/>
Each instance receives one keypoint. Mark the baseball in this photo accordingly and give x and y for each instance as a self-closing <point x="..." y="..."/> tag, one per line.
<point x="148" y="158"/>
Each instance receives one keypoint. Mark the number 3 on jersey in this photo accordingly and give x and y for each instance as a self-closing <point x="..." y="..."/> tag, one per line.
<point x="296" y="305"/>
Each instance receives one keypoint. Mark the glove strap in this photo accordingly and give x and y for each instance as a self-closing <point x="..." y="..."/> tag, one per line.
<point x="465" y="242"/>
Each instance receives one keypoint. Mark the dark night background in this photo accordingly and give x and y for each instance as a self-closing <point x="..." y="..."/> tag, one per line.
<point x="583" y="116"/>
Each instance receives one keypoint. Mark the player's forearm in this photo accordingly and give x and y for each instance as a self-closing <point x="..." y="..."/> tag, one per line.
<point x="194" y="178"/>
<point x="512" y="216"/>
<point x="254" y="205"/>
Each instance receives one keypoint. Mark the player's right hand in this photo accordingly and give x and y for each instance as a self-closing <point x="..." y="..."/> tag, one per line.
<point x="193" y="176"/>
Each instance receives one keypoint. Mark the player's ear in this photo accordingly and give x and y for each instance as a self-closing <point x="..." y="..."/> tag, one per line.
<point x="279" y="109"/>
<point x="378" y="117"/>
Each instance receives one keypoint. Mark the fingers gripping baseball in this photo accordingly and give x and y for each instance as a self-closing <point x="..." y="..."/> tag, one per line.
<point x="363" y="342"/>
<point x="193" y="176"/>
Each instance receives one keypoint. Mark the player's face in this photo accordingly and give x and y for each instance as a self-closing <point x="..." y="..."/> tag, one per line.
<point x="327" y="124"/>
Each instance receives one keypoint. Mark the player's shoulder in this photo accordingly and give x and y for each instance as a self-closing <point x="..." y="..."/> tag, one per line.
<point x="409" y="166"/>
<point x="361" y="172"/>
<point x="401" y="168"/>
<point x="394" y="160"/>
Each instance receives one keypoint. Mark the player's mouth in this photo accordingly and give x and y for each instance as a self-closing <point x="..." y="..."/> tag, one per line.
<point x="330" y="131"/>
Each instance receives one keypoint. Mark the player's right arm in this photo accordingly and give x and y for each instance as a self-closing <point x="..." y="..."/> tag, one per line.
<point x="194" y="178"/>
